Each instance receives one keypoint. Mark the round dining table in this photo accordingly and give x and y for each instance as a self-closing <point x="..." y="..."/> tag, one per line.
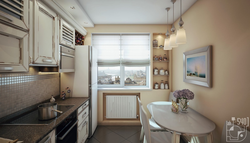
<point x="189" y="123"/>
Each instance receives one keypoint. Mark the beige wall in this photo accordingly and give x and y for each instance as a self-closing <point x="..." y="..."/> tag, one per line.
<point x="224" y="24"/>
<point x="147" y="96"/>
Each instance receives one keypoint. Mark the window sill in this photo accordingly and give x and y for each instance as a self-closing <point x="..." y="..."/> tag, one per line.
<point x="103" y="89"/>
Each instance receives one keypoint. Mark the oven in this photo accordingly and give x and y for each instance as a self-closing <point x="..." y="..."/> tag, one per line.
<point x="66" y="132"/>
<point x="67" y="59"/>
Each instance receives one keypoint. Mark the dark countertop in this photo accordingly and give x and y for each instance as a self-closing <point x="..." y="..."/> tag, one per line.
<point x="34" y="133"/>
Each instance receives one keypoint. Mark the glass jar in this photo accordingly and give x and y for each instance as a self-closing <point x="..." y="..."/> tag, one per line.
<point x="156" y="85"/>
<point x="155" y="58"/>
<point x="155" y="43"/>
<point x="160" y="58"/>
<point x="162" y="84"/>
<point x="166" y="85"/>
<point x="155" y="71"/>
<point x="162" y="71"/>
<point x="165" y="57"/>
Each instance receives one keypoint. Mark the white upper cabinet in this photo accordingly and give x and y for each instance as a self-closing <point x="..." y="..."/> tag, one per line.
<point x="13" y="50"/>
<point x="67" y="34"/>
<point x="14" y="13"/>
<point x="45" y="49"/>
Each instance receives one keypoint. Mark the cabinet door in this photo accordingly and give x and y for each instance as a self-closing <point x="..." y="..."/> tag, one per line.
<point x="13" y="50"/>
<point x="45" y="35"/>
<point x="14" y="13"/>
<point x="50" y="138"/>
<point x="83" y="131"/>
<point x="67" y="34"/>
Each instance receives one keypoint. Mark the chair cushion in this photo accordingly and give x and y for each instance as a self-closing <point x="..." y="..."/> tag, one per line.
<point x="161" y="137"/>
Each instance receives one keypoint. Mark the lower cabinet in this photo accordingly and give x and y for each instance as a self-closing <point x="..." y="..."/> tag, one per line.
<point x="83" y="131"/>
<point x="50" y="138"/>
<point x="83" y="123"/>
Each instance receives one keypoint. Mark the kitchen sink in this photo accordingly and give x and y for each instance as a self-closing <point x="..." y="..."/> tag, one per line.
<point x="31" y="118"/>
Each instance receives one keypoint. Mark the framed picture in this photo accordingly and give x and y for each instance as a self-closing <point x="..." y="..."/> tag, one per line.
<point x="197" y="66"/>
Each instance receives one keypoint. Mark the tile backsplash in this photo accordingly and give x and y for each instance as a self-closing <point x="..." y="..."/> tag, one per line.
<point x="21" y="90"/>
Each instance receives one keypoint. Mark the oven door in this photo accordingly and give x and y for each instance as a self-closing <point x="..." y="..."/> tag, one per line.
<point x="67" y="59"/>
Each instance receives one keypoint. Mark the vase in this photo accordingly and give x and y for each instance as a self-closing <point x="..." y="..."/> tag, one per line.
<point x="183" y="104"/>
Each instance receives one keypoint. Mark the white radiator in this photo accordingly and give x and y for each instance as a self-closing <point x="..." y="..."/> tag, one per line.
<point x="121" y="107"/>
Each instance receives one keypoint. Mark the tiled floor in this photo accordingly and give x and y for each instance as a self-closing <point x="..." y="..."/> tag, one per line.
<point x="116" y="134"/>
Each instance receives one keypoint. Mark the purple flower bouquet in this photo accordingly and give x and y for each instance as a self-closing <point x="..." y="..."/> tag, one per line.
<point x="185" y="94"/>
<point x="182" y="96"/>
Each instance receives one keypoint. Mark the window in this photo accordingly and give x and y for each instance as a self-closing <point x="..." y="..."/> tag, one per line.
<point x="123" y="60"/>
<point x="135" y="76"/>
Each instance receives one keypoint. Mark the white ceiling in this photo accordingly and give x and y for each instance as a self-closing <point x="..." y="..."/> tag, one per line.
<point x="90" y="12"/>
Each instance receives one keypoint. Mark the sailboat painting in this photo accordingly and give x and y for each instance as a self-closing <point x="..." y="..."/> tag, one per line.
<point x="196" y="66"/>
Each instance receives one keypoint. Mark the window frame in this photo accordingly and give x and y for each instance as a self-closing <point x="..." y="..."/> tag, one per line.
<point x="122" y="69"/>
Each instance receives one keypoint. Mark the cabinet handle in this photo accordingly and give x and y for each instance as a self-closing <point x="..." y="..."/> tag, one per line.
<point x="6" y="68"/>
<point x="82" y="126"/>
<point x="47" y="61"/>
<point x="84" y="114"/>
<point x="6" y="16"/>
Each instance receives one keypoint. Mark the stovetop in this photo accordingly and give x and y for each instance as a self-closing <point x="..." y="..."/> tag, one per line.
<point x="32" y="117"/>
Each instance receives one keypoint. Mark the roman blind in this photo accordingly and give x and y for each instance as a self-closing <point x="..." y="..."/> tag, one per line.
<point x="122" y="49"/>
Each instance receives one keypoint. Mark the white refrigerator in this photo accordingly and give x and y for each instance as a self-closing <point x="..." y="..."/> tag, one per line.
<point x="85" y="80"/>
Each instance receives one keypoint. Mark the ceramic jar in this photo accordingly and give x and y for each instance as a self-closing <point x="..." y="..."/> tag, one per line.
<point x="166" y="85"/>
<point x="155" y="71"/>
<point x="161" y="71"/>
<point x="166" y="72"/>
<point x="162" y="84"/>
<point x="156" y="85"/>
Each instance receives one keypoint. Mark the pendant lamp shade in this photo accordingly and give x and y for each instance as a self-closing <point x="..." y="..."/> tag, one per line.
<point x="166" y="44"/>
<point x="181" y="36"/>
<point x="172" y="42"/>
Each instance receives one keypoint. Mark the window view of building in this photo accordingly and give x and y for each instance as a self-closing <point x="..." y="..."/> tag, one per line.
<point x="108" y="75"/>
<point x="135" y="76"/>
<point x="123" y="60"/>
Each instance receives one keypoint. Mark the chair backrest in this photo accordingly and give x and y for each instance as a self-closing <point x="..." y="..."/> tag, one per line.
<point x="171" y="97"/>
<point x="139" y="101"/>
<point x="145" y="124"/>
<point x="241" y="134"/>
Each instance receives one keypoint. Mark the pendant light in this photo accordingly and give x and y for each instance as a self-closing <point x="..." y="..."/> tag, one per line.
<point x="172" y="42"/>
<point x="181" y="33"/>
<point x="167" y="39"/>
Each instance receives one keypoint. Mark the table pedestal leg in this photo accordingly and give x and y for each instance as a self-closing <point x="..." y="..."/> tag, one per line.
<point x="176" y="137"/>
<point x="210" y="138"/>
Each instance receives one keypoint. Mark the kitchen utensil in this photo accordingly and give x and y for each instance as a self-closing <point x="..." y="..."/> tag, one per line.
<point x="47" y="111"/>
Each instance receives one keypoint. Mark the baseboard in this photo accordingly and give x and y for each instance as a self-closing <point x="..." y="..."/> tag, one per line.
<point x="119" y="123"/>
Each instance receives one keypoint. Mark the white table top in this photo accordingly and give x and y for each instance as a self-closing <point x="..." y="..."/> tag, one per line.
<point x="191" y="122"/>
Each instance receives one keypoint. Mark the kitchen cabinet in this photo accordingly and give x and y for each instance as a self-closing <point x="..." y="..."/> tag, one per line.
<point x="45" y="42"/>
<point x="50" y="138"/>
<point x="14" y="13"/>
<point x="13" y="50"/>
<point x="67" y="34"/>
<point x="83" y="131"/>
<point x="83" y="123"/>
<point x="14" y="36"/>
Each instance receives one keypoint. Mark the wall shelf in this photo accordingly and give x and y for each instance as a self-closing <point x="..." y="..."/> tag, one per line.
<point x="160" y="89"/>
<point x="161" y="61"/>
<point x="166" y="65"/>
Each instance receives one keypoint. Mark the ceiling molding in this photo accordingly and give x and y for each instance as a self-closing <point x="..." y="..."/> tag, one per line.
<point x="82" y="9"/>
